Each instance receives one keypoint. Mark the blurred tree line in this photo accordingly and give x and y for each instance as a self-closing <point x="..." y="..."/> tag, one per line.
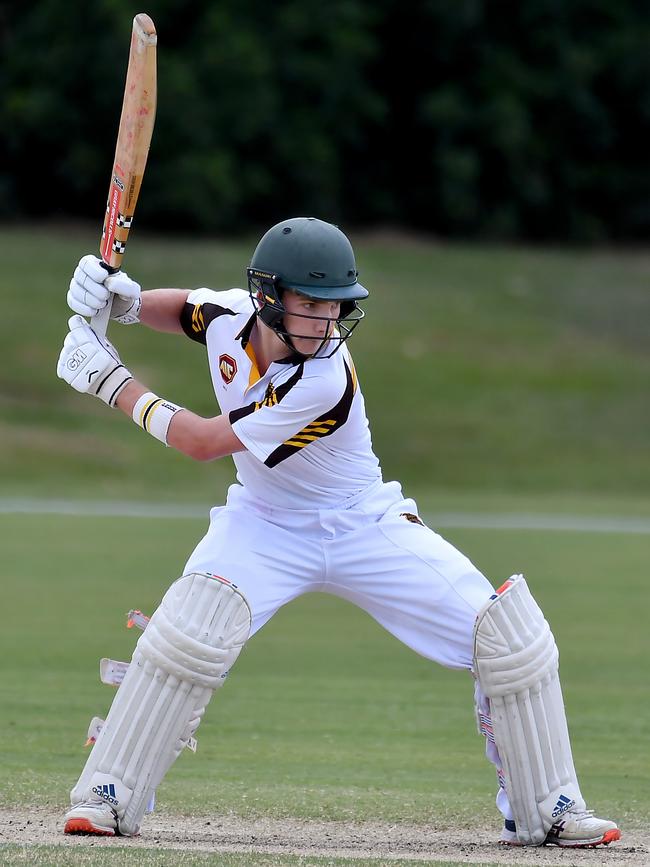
<point x="525" y="120"/>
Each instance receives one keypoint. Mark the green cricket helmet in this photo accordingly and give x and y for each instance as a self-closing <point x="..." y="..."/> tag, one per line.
<point x="314" y="259"/>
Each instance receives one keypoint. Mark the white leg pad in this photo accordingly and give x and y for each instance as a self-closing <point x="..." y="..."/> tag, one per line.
<point x="185" y="653"/>
<point x="516" y="665"/>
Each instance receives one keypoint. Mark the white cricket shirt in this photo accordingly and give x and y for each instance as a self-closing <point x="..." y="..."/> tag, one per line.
<point x="303" y="422"/>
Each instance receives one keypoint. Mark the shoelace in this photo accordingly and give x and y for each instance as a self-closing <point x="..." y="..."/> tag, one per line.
<point x="580" y="814"/>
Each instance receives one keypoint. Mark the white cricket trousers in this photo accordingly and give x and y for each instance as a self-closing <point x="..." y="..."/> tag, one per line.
<point x="372" y="550"/>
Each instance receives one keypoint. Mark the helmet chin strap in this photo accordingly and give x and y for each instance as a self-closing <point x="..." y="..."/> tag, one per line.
<point x="278" y="328"/>
<point x="287" y="338"/>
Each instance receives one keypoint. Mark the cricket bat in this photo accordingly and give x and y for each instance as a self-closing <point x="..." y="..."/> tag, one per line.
<point x="133" y="140"/>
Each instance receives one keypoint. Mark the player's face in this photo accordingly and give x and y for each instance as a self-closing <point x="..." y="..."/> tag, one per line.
<point x="308" y="321"/>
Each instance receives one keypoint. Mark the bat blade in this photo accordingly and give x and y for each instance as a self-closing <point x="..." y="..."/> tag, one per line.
<point x="132" y="149"/>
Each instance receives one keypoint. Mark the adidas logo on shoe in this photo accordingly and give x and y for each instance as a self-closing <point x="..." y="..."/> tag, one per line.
<point x="107" y="793"/>
<point x="563" y="804"/>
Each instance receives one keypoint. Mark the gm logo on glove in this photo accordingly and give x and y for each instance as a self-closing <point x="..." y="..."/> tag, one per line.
<point x="76" y="359"/>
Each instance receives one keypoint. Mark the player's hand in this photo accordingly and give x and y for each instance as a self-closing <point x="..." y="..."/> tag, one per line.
<point x="91" y="365"/>
<point x="92" y="288"/>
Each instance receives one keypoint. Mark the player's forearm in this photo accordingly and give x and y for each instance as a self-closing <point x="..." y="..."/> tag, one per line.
<point x="203" y="439"/>
<point x="161" y="309"/>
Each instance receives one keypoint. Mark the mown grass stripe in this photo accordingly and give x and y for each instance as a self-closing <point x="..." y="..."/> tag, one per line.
<point x="459" y="520"/>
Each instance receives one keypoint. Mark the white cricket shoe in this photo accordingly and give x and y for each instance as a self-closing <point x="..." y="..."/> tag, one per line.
<point x="91" y="817"/>
<point x="581" y="828"/>
<point x="577" y="828"/>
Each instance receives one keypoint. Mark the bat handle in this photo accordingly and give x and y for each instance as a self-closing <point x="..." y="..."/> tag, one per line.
<point x="99" y="322"/>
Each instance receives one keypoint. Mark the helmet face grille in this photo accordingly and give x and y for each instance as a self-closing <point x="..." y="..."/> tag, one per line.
<point x="266" y="296"/>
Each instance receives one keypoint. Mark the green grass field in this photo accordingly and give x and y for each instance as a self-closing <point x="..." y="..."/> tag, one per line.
<point x="325" y="716"/>
<point x="497" y="381"/>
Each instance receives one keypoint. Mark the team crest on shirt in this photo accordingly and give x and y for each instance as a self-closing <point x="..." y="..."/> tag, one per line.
<point x="227" y="368"/>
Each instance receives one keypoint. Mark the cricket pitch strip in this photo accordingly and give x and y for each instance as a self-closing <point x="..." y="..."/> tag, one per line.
<point x="293" y="837"/>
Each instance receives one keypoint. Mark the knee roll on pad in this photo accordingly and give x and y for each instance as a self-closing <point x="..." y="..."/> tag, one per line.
<point x="516" y="665"/>
<point x="186" y="652"/>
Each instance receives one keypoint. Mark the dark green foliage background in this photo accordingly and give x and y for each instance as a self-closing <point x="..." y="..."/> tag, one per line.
<point x="472" y="119"/>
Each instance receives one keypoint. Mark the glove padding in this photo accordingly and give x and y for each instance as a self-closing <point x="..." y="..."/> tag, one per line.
<point x="91" y="365"/>
<point x="92" y="288"/>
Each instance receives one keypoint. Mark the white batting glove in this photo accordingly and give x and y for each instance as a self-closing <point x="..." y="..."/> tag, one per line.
<point x="92" y="288"/>
<point x="91" y="365"/>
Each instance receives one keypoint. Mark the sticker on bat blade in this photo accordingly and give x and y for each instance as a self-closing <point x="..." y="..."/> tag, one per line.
<point x="112" y="211"/>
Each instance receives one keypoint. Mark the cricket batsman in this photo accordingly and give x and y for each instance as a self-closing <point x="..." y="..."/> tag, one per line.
<point x="309" y="512"/>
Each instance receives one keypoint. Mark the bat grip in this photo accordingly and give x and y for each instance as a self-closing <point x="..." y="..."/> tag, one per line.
<point x="99" y="322"/>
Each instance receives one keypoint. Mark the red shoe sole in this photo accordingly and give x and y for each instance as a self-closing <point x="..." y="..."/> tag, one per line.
<point x="608" y="837"/>
<point x="85" y="826"/>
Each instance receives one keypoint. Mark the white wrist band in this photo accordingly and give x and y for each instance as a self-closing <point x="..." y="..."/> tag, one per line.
<point x="154" y="414"/>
